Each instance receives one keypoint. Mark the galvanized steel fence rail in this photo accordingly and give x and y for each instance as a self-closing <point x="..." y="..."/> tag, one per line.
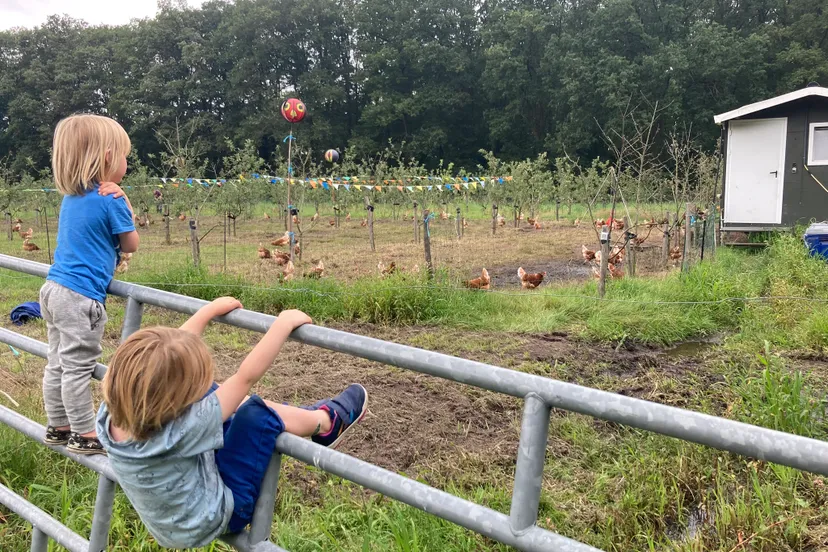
<point x="518" y="529"/>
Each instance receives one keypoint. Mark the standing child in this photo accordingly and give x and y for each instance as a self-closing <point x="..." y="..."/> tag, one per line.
<point x="96" y="225"/>
<point x="189" y="454"/>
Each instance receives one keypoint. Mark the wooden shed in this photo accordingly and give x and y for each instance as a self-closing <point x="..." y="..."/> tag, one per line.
<point x="776" y="162"/>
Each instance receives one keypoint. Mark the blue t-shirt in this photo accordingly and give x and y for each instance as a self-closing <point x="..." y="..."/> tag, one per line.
<point x="172" y="479"/>
<point x="87" y="242"/>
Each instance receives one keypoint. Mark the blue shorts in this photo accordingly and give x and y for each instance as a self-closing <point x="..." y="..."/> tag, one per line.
<point x="249" y="441"/>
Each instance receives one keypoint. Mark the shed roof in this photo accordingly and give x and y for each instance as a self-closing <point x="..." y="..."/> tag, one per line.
<point x="772" y="102"/>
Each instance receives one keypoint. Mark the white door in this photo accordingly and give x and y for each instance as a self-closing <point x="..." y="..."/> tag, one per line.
<point x="755" y="171"/>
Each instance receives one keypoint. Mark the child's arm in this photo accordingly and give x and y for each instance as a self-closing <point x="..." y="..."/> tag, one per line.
<point x="219" y="307"/>
<point x="232" y="392"/>
<point x="121" y="222"/>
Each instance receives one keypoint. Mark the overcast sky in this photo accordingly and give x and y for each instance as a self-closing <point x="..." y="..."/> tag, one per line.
<point x="30" y="13"/>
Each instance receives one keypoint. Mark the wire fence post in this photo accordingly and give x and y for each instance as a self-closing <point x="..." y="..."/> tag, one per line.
<point x="194" y="241"/>
<point x="416" y="225"/>
<point x="458" y="223"/>
<point x="605" y="251"/>
<point x="427" y="243"/>
<point x="534" y="431"/>
<point x="665" y="240"/>
<point x="40" y="541"/>
<point x="629" y="246"/>
<point x="9" y="225"/>
<point x="685" y="261"/>
<point x="370" y="209"/>
<point x="262" y="522"/>
<point x="167" y="239"/>
<point x="494" y="218"/>
<point x="557" y="209"/>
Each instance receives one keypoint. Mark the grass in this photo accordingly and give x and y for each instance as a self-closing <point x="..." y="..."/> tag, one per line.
<point x="610" y="486"/>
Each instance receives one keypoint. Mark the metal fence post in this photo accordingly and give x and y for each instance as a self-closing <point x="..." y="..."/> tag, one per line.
<point x="534" y="430"/>
<point x="99" y="536"/>
<point x="132" y="317"/>
<point x="40" y="541"/>
<point x="263" y="511"/>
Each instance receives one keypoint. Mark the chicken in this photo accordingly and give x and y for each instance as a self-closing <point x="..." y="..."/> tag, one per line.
<point x="264" y="253"/>
<point x="599" y="223"/>
<point x="443" y="215"/>
<point x="182" y="217"/>
<point x="27" y="235"/>
<point x="296" y="249"/>
<point x="266" y="216"/>
<point x="142" y="223"/>
<point x="387" y="270"/>
<point x="18" y="221"/>
<point x="332" y="222"/>
<point x="531" y="221"/>
<point x="588" y="254"/>
<point x="280" y="257"/>
<point x="16" y="227"/>
<point x="530" y="281"/>
<point x="465" y="223"/>
<point x="675" y="253"/>
<point x="315" y="217"/>
<point x="364" y="223"/>
<point x="296" y="220"/>
<point x="348" y="217"/>
<point x="501" y="220"/>
<point x="597" y="257"/>
<point x="618" y="224"/>
<point x="483" y="282"/>
<point x="577" y="223"/>
<point x="538" y="225"/>
<point x="288" y="272"/>
<point x="284" y="240"/>
<point x="639" y="241"/>
<point x="29" y="246"/>
<point x="317" y="271"/>
<point x="123" y="266"/>
<point x="614" y="272"/>
<point x="617" y="255"/>
<point x="596" y="272"/>
<point x="652" y="223"/>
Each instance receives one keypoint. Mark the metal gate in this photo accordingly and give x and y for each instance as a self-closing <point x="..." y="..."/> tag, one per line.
<point x="518" y="528"/>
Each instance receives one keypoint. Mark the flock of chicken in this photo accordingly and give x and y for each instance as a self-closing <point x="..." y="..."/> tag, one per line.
<point x="282" y="258"/>
<point x="527" y="280"/>
<point x="26" y="235"/>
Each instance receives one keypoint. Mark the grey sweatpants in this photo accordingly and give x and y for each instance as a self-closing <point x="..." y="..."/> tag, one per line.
<point x="75" y="326"/>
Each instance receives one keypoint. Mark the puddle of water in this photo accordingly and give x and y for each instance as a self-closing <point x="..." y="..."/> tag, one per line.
<point x="691" y="348"/>
<point x="697" y="518"/>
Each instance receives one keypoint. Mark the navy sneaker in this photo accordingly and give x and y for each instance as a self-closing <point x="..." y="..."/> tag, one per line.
<point x="345" y="410"/>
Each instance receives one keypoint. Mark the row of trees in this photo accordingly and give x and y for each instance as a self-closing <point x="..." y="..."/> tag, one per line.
<point x="442" y="79"/>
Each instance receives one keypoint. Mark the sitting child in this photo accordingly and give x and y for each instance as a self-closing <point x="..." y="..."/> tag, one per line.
<point x="190" y="454"/>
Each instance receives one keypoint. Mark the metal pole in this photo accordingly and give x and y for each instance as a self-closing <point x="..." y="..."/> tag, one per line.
<point x="40" y="540"/>
<point x="132" y="318"/>
<point x="685" y="262"/>
<point x="534" y="431"/>
<point x="99" y="536"/>
<point x="44" y="522"/>
<point x="289" y="179"/>
<point x="262" y="522"/>
<point x="605" y="251"/>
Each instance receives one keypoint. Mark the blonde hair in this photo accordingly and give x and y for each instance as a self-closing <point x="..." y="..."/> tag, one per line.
<point x="79" y="150"/>
<point x="153" y="377"/>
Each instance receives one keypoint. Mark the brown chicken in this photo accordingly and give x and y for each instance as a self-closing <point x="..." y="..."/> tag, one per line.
<point x="280" y="257"/>
<point x="317" y="271"/>
<point x="296" y="220"/>
<point x="332" y="222"/>
<point x="531" y="221"/>
<point x="123" y="266"/>
<point x="18" y="221"/>
<point x="315" y="217"/>
<point x="577" y="223"/>
<point x="501" y="220"/>
<point x="465" y="223"/>
<point x="182" y="217"/>
<point x="618" y="224"/>
<point x="615" y="272"/>
<point x="530" y="281"/>
<point x="27" y="235"/>
<point x="284" y="240"/>
<point x="617" y="255"/>
<point x="266" y="216"/>
<point x="588" y="254"/>
<point x="289" y="271"/>
<point x="296" y="249"/>
<point x="599" y="223"/>
<point x="387" y="270"/>
<point x="264" y="253"/>
<point x="29" y="246"/>
<point x="484" y="282"/>
<point x="364" y="223"/>
<point x="16" y="227"/>
<point x="538" y="225"/>
<point x="141" y="223"/>
<point x="443" y="215"/>
<point x="675" y="253"/>
<point x="348" y="217"/>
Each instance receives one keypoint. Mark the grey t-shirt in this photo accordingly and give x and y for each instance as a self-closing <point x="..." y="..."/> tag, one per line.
<point x="171" y="479"/>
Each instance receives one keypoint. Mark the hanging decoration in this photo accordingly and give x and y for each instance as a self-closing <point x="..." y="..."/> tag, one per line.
<point x="293" y="110"/>
<point x="331" y="156"/>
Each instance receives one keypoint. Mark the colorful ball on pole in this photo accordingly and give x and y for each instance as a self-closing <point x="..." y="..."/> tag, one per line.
<point x="331" y="156"/>
<point x="293" y="110"/>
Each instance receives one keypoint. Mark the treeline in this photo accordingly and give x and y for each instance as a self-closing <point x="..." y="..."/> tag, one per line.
<point x="441" y="79"/>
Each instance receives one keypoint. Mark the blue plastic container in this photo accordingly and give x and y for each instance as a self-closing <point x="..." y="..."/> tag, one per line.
<point x="816" y="238"/>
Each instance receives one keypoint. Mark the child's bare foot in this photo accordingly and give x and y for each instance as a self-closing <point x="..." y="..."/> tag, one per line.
<point x="345" y="410"/>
